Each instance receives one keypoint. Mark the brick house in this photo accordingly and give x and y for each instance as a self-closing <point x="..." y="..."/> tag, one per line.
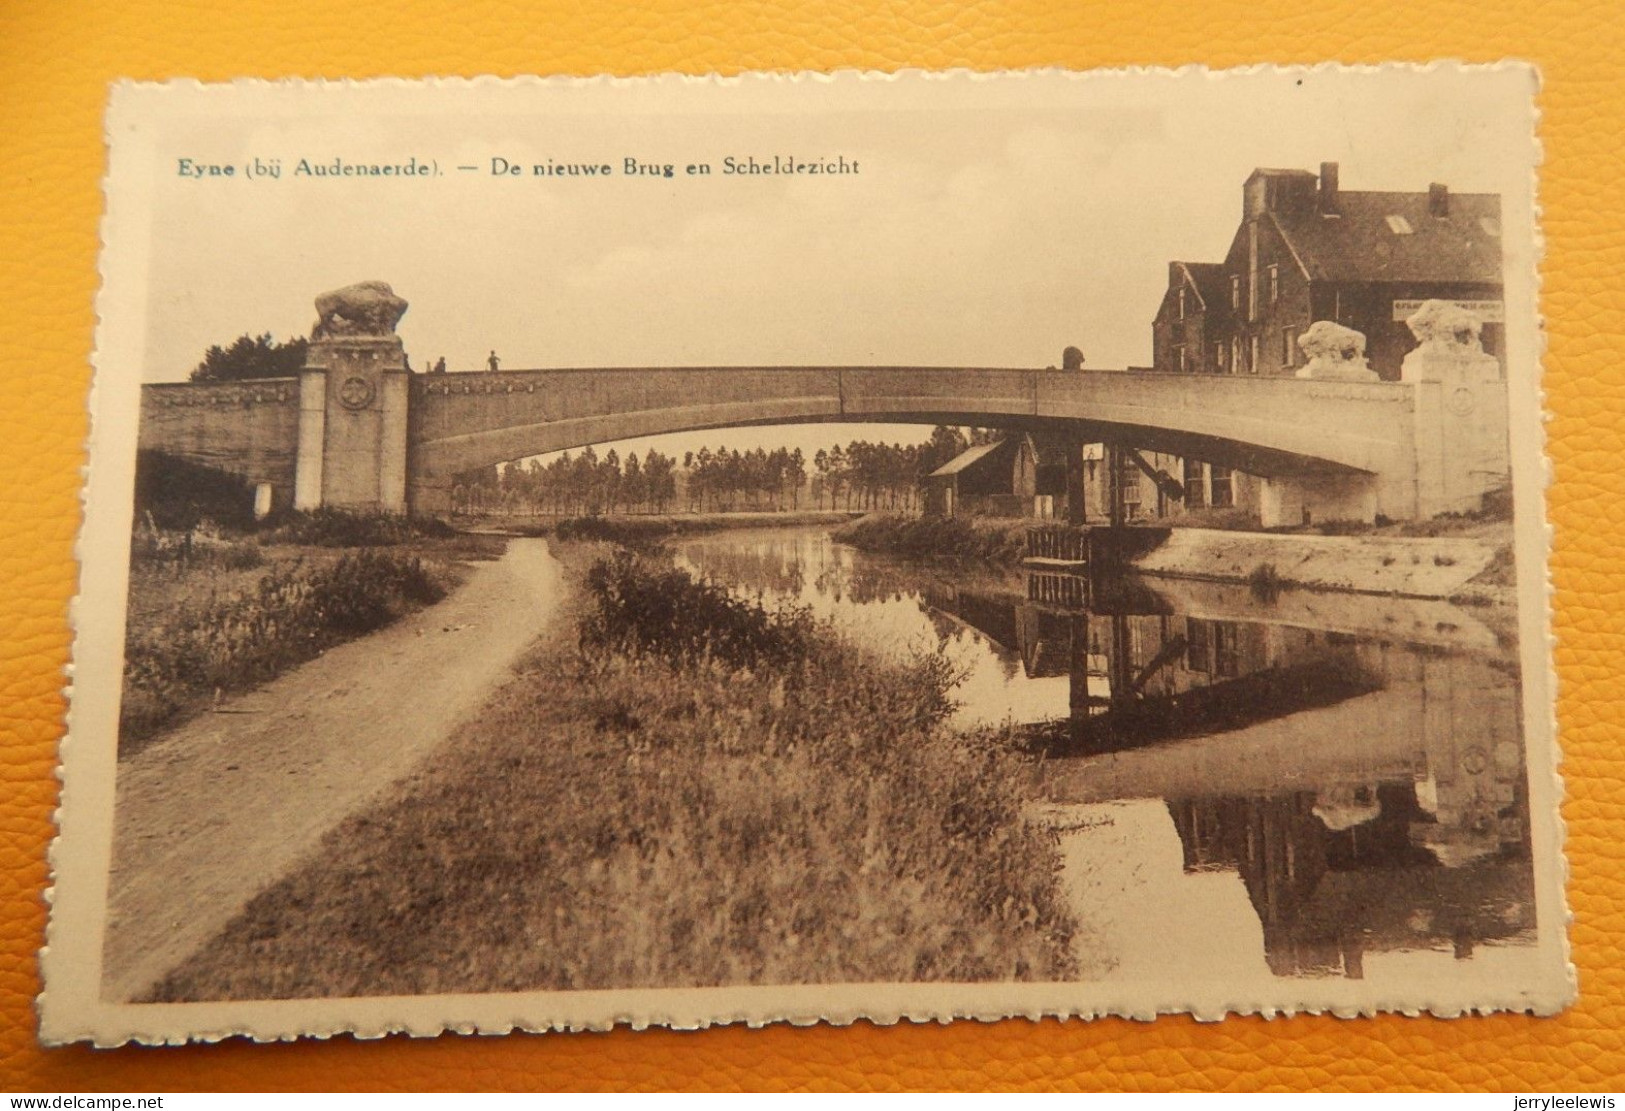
<point x="1191" y="333"/>
<point x="1307" y="250"/>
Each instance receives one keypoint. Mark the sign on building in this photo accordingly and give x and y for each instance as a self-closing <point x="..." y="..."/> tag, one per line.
<point x="1490" y="312"/>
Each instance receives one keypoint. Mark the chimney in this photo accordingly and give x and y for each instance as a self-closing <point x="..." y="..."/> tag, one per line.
<point x="1439" y="199"/>
<point x="1328" y="187"/>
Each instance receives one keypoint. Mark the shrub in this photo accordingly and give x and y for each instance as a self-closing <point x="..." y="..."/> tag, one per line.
<point x="665" y="612"/>
<point x="628" y="533"/>
<point x="327" y="527"/>
<point x="1265" y="582"/>
<point x="171" y="493"/>
<point x="936" y="538"/>
<point x="233" y="643"/>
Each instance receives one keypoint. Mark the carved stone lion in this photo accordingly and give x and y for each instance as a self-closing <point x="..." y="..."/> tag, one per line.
<point x="1335" y="353"/>
<point x="363" y="309"/>
<point x="1448" y="327"/>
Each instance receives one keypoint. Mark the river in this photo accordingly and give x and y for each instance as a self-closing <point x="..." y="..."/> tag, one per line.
<point x="1309" y="785"/>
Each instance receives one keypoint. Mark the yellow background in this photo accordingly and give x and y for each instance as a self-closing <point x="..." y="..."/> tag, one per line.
<point x="55" y="61"/>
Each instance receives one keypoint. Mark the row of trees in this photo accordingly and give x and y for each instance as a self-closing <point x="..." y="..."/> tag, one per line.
<point x="866" y="475"/>
<point x="573" y="485"/>
<point x="756" y="479"/>
<point x="857" y="475"/>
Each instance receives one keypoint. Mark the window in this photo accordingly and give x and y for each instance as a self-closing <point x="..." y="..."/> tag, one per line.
<point x="1235" y="355"/>
<point x="1131" y="486"/>
<point x="1182" y="304"/>
<point x="1195" y="487"/>
<point x="1252" y="355"/>
<point x="1235" y="293"/>
<point x="1218" y="358"/>
<point x="1224" y="488"/>
<point x="1226" y="649"/>
<point x="1198" y="646"/>
<point x="1275" y="284"/>
<point x="1180" y="361"/>
<point x="1287" y="352"/>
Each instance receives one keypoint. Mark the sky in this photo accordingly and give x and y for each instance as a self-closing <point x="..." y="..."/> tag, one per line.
<point x="992" y="222"/>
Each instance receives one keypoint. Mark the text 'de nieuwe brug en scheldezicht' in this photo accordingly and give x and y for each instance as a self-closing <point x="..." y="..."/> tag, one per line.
<point x="509" y="167"/>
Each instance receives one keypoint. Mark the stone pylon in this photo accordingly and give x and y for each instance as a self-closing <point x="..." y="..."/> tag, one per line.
<point x="353" y="398"/>
<point x="1459" y="413"/>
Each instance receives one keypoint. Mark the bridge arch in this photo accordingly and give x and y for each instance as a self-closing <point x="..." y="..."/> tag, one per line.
<point x="1265" y="426"/>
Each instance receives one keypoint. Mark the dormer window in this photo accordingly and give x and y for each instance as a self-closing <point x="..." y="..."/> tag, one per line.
<point x="1400" y="226"/>
<point x="1182" y="304"/>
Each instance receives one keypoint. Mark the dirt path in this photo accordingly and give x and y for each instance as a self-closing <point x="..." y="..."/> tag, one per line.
<point x="226" y="804"/>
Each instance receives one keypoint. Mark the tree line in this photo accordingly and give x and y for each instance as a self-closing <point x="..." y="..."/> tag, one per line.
<point x="856" y="475"/>
<point x="864" y="475"/>
<point x="580" y="484"/>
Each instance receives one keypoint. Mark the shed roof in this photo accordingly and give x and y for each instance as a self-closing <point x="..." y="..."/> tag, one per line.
<point x="966" y="458"/>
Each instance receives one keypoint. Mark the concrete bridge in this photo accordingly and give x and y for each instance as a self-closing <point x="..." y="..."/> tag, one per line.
<point x="357" y="430"/>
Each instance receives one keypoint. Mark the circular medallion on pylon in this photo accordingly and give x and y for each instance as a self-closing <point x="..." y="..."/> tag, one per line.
<point x="1461" y="401"/>
<point x="355" y="393"/>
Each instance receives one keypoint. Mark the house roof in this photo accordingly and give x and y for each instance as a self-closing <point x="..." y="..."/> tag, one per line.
<point x="1211" y="284"/>
<point x="1365" y="242"/>
<point x="966" y="458"/>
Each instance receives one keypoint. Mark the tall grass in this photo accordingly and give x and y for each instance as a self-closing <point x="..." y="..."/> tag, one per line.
<point x="940" y="538"/>
<point x="233" y="642"/>
<point x="327" y="527"/>
<point x="618" y="530"/>
<point x="639" y="608"/>
<point x="631" y="815"/>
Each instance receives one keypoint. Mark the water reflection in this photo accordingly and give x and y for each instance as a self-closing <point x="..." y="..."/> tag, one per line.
<point x="1336" y="780"/>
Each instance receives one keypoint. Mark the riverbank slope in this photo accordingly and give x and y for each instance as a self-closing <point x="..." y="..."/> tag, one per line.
<point x="677" y="788"/>
<point x="228" y="802"/>
<point x="1468" y="561"/>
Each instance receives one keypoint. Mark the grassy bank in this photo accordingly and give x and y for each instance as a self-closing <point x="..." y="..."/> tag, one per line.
<point x="692" y="791"/>
<point x="974" y="539"/>
<point x="649" y="531"/>
<point x="216" y="611"/>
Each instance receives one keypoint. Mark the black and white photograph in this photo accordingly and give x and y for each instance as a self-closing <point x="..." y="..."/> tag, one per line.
<point x="676" y="551"/>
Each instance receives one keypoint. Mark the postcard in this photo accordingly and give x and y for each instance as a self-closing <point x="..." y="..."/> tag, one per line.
<point x="810" y="547"/>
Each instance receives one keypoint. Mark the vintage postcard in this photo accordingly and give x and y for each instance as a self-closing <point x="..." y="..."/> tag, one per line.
<point x="802" y="548"/>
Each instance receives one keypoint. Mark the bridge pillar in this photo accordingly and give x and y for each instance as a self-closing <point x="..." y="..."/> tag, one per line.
<point x="353" y="404"/>
<point x="1290" y="501"/>
<point x="307" y="478"/>
<point x="1459" y="416"/>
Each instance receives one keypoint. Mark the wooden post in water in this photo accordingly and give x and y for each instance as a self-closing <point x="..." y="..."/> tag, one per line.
<point x="1076" y="511"/>
<point x="1114" y="483"/>
<point x="1078" y="731"/>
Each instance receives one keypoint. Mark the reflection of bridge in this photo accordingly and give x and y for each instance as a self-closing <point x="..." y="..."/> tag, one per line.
<point x="356" y="429"/>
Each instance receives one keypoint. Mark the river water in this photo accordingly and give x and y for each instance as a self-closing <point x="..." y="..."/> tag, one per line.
<point x="1313" y="785"/>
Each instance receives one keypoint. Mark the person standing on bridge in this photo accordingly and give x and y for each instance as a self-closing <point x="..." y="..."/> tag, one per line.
<point x="493" y="362"/>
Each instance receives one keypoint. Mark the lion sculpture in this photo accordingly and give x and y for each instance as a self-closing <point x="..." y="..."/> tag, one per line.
<point x="363" y="309"/>
<point x="1335" y="353"/>
<point x="1444" y="326"/>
